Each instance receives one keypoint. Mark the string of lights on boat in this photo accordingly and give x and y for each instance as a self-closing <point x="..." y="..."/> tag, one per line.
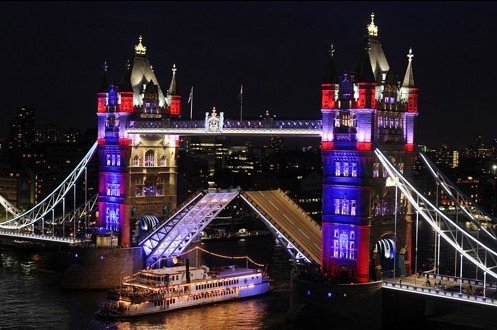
<point x="198" y="248"/>
<point x="458" y="237"/>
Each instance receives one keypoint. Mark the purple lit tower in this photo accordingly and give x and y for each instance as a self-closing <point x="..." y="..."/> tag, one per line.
<point x="362" y="110"/>
<point x="137" y="173"/>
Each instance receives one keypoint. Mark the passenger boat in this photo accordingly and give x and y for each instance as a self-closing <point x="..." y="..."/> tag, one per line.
<point x="165" y="289"/>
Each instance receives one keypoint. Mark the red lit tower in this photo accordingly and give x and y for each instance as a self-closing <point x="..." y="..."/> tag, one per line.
<point x="369" y="111"/>
<point x="137" y="174"/>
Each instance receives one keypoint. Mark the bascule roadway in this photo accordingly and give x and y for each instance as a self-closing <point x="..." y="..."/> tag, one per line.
<point x="290" y="219"/>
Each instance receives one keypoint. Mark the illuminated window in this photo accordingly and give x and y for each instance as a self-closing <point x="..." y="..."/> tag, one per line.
<point x="345" y="206"/>
<point x="150" y="158"/>
<point x="346" y="169"/>
<point x="376" y="170"/>
<point x="337" y="119"/>
<point x="149" y="190"/>
<point x="118" y="160"/>
<point x="337" y="168"/>
<point x="354" y="170"/>
<point x="400" y="167"/>
<point x="138" y="191"/>
<point x="163" y="161"/>
<point x="352" y="207"/>
<point x="380" y="121"/>
<point x="351" y="250"/>
<point x="159" y="190"/>
<point x="337" y="206"/>
<point x="136" y="161"/>
<point x="108" y="160"/>
<point x="113" y="160"/>
<point x="335" y="248"/>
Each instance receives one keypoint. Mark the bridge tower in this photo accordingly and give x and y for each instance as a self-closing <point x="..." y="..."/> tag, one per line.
<point x="365" y="223"/>
<point x="137" y="171"/>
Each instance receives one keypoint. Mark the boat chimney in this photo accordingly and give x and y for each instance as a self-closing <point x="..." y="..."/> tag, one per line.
<point x="187" y="264"/>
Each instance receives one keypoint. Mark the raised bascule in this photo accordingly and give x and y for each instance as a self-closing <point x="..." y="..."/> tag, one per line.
<point x="369" y="204"/>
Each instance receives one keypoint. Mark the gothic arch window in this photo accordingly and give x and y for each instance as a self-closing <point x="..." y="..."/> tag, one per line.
<point x="345" y="168"/>
<point x="108" y="160"/>
<point x="376" y="170"/>
<point x="163" y="161"/>
<point x="150" y="158"/>
<point x="337" y="206"/>
<point x="136" y="161"/>
<point x="337" y="169"/>
<point x="354" y="169"/>
<point x="118" y="160"/>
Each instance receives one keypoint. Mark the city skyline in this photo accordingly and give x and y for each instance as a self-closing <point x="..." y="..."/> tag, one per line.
<point x="277" y="50"/>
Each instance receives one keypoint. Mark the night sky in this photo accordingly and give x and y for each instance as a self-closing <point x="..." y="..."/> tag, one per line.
<point x="52" y="54"/>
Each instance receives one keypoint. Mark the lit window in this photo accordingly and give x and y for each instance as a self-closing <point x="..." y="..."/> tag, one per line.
<point x="150" y="158"/>
<point x="337" y="206"/>
<point x="346" y="169"/>
<point x="352" y="208"/>
<point x="337" y="169"/>
<point x="136" y="161"/>
<point x="163" y="161"/>
<point x="376" y="170"/>
<point x="354" y="170"/>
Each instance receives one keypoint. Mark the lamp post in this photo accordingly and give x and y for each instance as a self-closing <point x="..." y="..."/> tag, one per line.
<point x="494" y="167"/>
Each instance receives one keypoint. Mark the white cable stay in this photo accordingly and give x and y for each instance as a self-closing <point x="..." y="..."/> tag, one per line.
<point x="461" y="201"/>
<point x="466" y="238"/>
<point x="39" y="211"/>
<point x="11" y="209"/>
<point x="78" y="213"/>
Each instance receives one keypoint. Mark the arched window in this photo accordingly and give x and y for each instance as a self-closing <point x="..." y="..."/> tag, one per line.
<point x="150" y="158"/>
<point x="136" y="161"/>
<point x="163" y="161"/>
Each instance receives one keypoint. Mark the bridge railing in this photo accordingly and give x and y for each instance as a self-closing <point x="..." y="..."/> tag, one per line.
<point x="440" y="293"/>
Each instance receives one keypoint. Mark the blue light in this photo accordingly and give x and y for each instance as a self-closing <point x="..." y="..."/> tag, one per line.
<point x="101" y="257"/>
<point x="76" y="255"/>
<point x="329" y="294"/>
<point x="308" y="292"/>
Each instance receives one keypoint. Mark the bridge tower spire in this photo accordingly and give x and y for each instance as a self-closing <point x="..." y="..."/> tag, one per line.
<point x="360" y="211"/>
<point x="329" y="87"/>
<point x="173" y="98"/>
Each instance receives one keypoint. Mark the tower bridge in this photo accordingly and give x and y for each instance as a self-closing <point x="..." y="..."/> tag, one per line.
<point x="370" y="202"/>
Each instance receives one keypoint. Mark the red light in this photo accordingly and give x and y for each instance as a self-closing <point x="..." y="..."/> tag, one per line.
<point x="326" y="145"/>
<point x="125" y="142"/>
<point x="363" y="146"/>
<point x="101" y="141"/>
<point x="409" y="146"/>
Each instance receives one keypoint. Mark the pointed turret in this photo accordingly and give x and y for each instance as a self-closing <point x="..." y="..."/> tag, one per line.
<point x="366" y="81"/>
<point x="409" y="92"/>
<point x="173" y="98"/>
<point x="102" y="90"/>
<point x="379" y="63"/>
<point x="126" y="90"/>
<point x="141" y="74"/>
<point x="409" y="77"/>
<point x="329" y="87"/>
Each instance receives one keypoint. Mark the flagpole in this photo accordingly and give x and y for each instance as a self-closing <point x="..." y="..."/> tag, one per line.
<point x="191" y="104"/>
<point x="241" y="102"/>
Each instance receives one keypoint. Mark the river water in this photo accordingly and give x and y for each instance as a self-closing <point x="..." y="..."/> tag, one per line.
<point x="30" y="297"/>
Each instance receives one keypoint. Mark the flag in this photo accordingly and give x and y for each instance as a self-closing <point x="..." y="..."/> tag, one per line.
<point x="241" y="92"/>
<point x="191" y="95"/>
